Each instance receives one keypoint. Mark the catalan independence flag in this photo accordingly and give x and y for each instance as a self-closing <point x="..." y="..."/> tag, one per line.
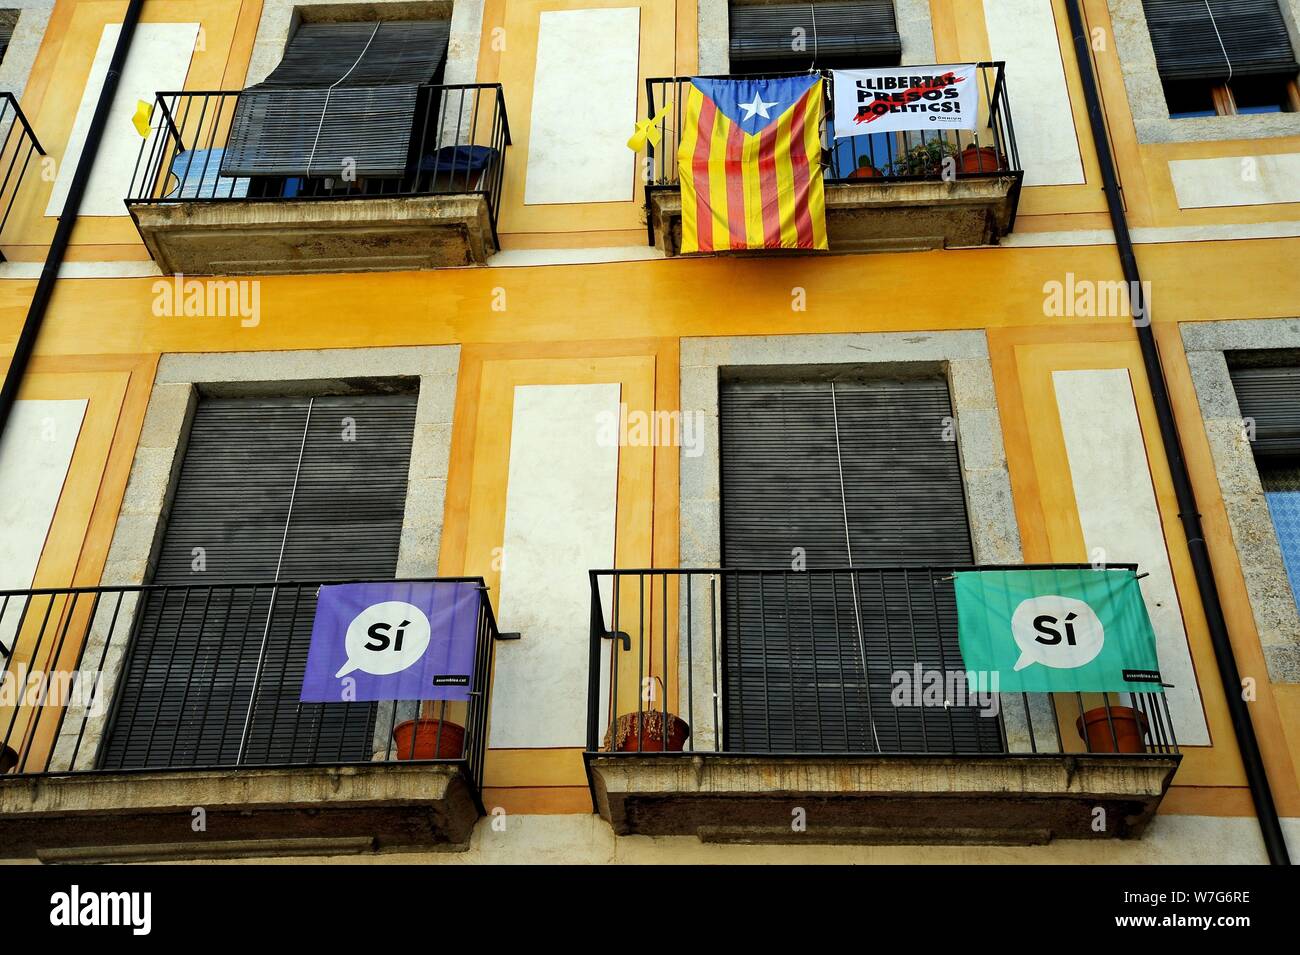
<point x="750" y="165"/>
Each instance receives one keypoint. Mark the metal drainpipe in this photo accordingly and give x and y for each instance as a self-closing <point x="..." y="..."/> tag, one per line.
<point x="67" y="219"/>
<point x="1256" y="777"/>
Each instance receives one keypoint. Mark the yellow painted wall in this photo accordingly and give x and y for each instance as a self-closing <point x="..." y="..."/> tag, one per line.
<point x="623" y="322"/>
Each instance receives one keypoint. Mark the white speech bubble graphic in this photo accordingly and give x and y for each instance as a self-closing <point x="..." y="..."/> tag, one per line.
<point x="385" y="638"/>
<point x="1059" y="632"/>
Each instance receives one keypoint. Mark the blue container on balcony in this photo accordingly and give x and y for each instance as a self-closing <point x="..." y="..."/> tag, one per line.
<point x="456" y="168"/>
<point x="198" y="176"/>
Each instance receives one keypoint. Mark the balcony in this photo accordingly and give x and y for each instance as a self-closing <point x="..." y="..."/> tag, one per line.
<point x="885" y="192"/>
<point x="198" y="218"/>
<point x="831" y="707"/>
<point x="17" y="145"/>
<point x="164" y="722"/>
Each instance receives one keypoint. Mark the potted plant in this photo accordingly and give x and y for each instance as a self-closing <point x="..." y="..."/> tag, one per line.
<point x="647" y="732"/>
<point x="8" y="759"/>
<point x="865" y="170"/>
<point x="979" y="159"/>
<point x="426" y="737"/>
<point x="1113" y="729"/>
<point x="924" y="159"/>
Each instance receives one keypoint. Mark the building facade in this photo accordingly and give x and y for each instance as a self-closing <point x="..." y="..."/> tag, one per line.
<point x="375" y="291"/>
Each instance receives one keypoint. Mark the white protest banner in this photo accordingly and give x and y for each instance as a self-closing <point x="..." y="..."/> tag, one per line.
<point x="905" y="97"/>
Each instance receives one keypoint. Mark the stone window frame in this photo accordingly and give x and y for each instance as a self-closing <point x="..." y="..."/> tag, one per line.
<point x="29" y="31"/>
<point x="714" y="28"/>
<point x="1146" y="95"/>
<point x="181" y="379"/>
<point x="962" y="357"/>
<point x="281" y="17"/>
<point x="1273" y="606"/>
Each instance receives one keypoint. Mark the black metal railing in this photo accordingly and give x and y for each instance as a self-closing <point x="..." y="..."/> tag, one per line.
<point x="96" y="679"/>
<point x="17" y="145"/>
<point x="851" y="660"/>
<point x="914" y="154"/>
<point x="457" y="147"/>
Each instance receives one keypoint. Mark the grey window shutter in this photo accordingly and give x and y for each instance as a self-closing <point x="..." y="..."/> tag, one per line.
<point x="1188" y="46"/>
<point x="794" y="679"/>
<point x="344" y="96"/>
<point x="184" y="695"/>
<point x="864" y="29"/>
<point x="8" y="21"/>
<point x="1270" y="399"/>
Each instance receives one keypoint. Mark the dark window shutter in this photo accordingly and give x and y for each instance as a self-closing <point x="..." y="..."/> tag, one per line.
<point x="344" y="93"/>
<point x="8" y="21"/>
<point x="1189" y="47"/>
<point x="184" y="697"/>
<point x="1270" y="397"/>
<point x="856" y="29"/>
<point x="793" y="652"/>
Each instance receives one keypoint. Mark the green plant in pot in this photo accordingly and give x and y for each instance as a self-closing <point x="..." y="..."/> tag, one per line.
<point x="923" y="159"/>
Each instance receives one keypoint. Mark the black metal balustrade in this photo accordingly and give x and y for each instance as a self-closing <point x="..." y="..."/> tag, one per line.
<point x="914" y="154"/>
<point x="111" y="679"/>
<point x="16" y="149"/>
<point x="928" y="154"/>
<point x="858" y="660"/>
<point x="457" y="147"/>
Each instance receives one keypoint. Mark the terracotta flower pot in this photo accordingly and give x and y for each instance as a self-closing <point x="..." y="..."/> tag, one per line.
<point x="644" y="733"/>
<point x="1130" y="729"/>
<point x="979" y="159"/>
<point x="865" y="171"/>
<point x="427" y="744"/>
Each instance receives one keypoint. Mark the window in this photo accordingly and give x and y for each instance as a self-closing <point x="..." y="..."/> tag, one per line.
<point x="1282" y="492"/>
<point x="1223" y="57"/>
<point x="299" y="489"/>
<point x="841" y="471"/>
<point x="1269" y="396"/>
<point x="833" y="34"/>
<point x="787" y="37"/>
<point x="345" y="99"/>
<point x="8" y="21"/>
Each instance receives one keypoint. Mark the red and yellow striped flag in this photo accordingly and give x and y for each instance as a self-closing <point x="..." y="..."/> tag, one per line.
<point x="750" y="165"/>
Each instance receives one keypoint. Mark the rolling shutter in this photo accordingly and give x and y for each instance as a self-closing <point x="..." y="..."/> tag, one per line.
<point x="184" y="697"/>
<point x="1194" y="40"/>
<point x="344" y="95"/>
<point x="794" y="644"/>
<point x="863" y="30"/>
<point x="8" y="21"/>
<point x="1270" y="397"/>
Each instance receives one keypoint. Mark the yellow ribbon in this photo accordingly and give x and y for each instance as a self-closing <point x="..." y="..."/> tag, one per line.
<point x="648" y="129"/>
<point x="141" y="118"/>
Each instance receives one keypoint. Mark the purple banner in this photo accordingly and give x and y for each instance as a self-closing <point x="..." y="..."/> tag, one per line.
<point x="392" y="641"/>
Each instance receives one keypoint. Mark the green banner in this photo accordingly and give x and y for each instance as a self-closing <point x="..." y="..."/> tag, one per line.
<point x="1057" y="630"/>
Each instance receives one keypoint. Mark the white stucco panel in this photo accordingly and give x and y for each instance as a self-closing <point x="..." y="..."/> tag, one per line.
<point x="1117" y="513"/>
<point x="159" y="60"/>
<point x="1023" y="33"/>
<point x="560" y="516"/>
<point x="584" y="107"/>
<point x="1236" y="180"/>
<point x="34" y="458"/>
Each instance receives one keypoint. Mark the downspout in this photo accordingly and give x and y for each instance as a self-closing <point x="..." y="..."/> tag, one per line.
<point x="67" y="218"/>
<point x="1256" y="777"/>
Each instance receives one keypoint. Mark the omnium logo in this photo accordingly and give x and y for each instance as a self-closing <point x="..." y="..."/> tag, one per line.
<point x="76" y="908"/>
<point x="179" y="297"/>
<point x="1059" y="632"/>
